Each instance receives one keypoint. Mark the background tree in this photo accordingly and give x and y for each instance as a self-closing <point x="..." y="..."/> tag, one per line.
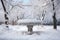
<point x="6" y="13"/>
<point x="54" y="15"/>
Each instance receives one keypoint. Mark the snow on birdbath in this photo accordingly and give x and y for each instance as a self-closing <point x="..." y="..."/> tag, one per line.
<point x="29" y="22"/>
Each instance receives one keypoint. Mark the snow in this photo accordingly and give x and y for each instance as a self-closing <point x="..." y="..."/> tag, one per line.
<point x="39" y="33"/>
<point x="28" y="21"/>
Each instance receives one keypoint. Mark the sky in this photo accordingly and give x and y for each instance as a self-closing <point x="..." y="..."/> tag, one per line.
<point x="26" y="1"/>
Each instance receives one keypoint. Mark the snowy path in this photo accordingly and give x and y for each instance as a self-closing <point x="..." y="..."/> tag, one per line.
<point x="45" y="33"/>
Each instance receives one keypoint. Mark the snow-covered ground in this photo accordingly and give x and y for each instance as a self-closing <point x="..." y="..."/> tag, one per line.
<point x="20" y="33"/>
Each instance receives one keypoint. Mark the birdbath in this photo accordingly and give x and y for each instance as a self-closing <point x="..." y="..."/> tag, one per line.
<point x="29" y="23"/>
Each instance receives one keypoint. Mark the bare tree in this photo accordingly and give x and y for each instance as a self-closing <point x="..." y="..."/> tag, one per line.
<point x="6" y="13"/>
<point x="54" y="15"/>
